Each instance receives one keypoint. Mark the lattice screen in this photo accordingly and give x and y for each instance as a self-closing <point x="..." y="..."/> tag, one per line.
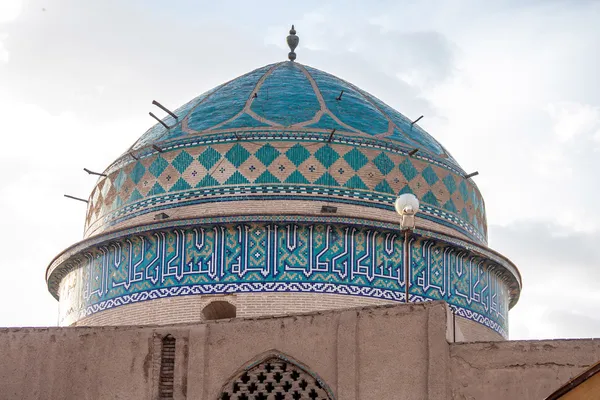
<point x="274" y="379"/>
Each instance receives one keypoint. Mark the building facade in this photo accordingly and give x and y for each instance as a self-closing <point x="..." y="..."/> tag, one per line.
<point x="385" y="352"/>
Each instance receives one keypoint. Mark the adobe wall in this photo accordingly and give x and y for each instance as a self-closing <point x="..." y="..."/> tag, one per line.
<point x="517" y="369"/>
<point x="361" y="354"/>
<point x="368" y="353"/>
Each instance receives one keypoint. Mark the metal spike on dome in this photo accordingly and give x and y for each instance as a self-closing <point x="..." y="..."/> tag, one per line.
<point x="159" y="120"/>
<point x="472" y="174"/>
<point x="331" y="135"/>
<point x="165" y="109"/>
<point x="93" y="173"/>
<point x="68" y="196"/>
<point x="416" y="120"/>
<point x="292" y="41"/>
<point x="413" y="152"/>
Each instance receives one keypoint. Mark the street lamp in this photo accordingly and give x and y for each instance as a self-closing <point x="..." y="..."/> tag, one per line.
<point x="407" y="205"/>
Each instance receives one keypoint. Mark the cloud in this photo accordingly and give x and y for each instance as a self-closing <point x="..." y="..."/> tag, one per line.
<point x="10" y="10"/>
<point x="560" y="270"/>
<point x="4" y="54"/>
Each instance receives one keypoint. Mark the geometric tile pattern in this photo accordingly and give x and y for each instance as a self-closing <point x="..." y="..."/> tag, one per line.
<point x="249" y="168"/>
<point x="290" y="257"/>
<point x="274" y="378"/>
<point x="291" y="95"/>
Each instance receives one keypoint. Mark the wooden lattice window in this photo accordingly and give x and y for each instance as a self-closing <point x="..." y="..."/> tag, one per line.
<point x="275" y="378"/>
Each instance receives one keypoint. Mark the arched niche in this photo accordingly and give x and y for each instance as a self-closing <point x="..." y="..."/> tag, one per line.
<point x="275" y="376"/>
<point x="218" y="310"/>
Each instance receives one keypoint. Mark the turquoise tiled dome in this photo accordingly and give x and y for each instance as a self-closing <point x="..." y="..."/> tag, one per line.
<point x="267" y="135"/>
<point x="290" y="95"/>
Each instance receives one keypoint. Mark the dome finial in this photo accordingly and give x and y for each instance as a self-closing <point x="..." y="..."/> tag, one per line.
<point x="292" y="41"/>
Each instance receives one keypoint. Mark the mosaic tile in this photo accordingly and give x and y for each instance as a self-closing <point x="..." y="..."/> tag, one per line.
<point x="237" y="155"/>
<point x="384" y="163"/>
<point x="326" y="156"/>
<point x="243" y="164"/>
<point x="350" y="259"/>
<point x="182" y="161"/>
<point x="297" y="154"/>
<point x="267" y="154"/>
<point x="209" y="158"/>
<point x="158" y="166"/>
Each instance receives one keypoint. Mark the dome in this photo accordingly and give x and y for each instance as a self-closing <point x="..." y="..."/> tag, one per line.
<point x="274" y="126"/>
<point x="274" y="193"/>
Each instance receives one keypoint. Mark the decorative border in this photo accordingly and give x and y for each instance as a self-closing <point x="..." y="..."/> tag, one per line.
<point x="57" y="265"/>
<point x="476" y="230"/>
<point x="426" y="212"/>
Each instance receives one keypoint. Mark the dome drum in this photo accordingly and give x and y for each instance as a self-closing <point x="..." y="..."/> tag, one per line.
<point x="325" y="255"/>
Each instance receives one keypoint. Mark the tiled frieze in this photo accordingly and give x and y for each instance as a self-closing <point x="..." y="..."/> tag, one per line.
<point x="293" y="169"/>
<point x="258" y="257"/>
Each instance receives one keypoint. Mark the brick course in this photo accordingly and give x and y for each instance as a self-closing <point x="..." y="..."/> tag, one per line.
<point x="188" y="309"/>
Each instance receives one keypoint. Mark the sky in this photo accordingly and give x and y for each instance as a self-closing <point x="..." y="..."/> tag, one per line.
<point x="510" y="88"/>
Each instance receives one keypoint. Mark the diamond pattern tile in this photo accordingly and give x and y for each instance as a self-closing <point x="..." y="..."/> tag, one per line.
<point x="267" y="178"/>
<point x="296" y="178"/>
<point x="237" y="155"/>
<point x="464" y="192"/>
<point x="119" y="180"/>
<point x="371" y="175"/>
<point x="341" y="171"/>
<point x="356" y="159"/>
<point x="281" y="168"/>
<point x="252" y="168"/>
<point x="137" y="172"/>
<point x="311" y="169"/>
<point x="237" y="179"/>
<point x="450" y="183"/>
<point x="267" y="154"/>
<point x="297" y="154"/>
<point x="383" y="163"/>
<point x="326" y="156"/>
<point x="449" y="206"/>
<point x="396" y="180"/>
<point x="146" y="183"/>
<point x="156" y="190"/>
<point x="419" y="186"/>
<point x="158" y="166"/>
<point x="326" y="180"/>
<point x="194" y="173"/>
<point x="169" y="177"/>
<point x="209" y="158"/>
<point x="384" y="187"/>
<point x="356" y="183"/>
<point x="182" y="161"/>
<point x="441" y="192"/>
<point x="262" y="163"/>
<point x="430" y="198"/>
<point x="180" y="184"/>
<point x="223" y="171"/>
<point x="430" y="175"/>
<point x="407" y="169"/>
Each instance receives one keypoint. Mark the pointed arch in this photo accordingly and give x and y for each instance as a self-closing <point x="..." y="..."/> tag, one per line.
<point x="275" y="376"/>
